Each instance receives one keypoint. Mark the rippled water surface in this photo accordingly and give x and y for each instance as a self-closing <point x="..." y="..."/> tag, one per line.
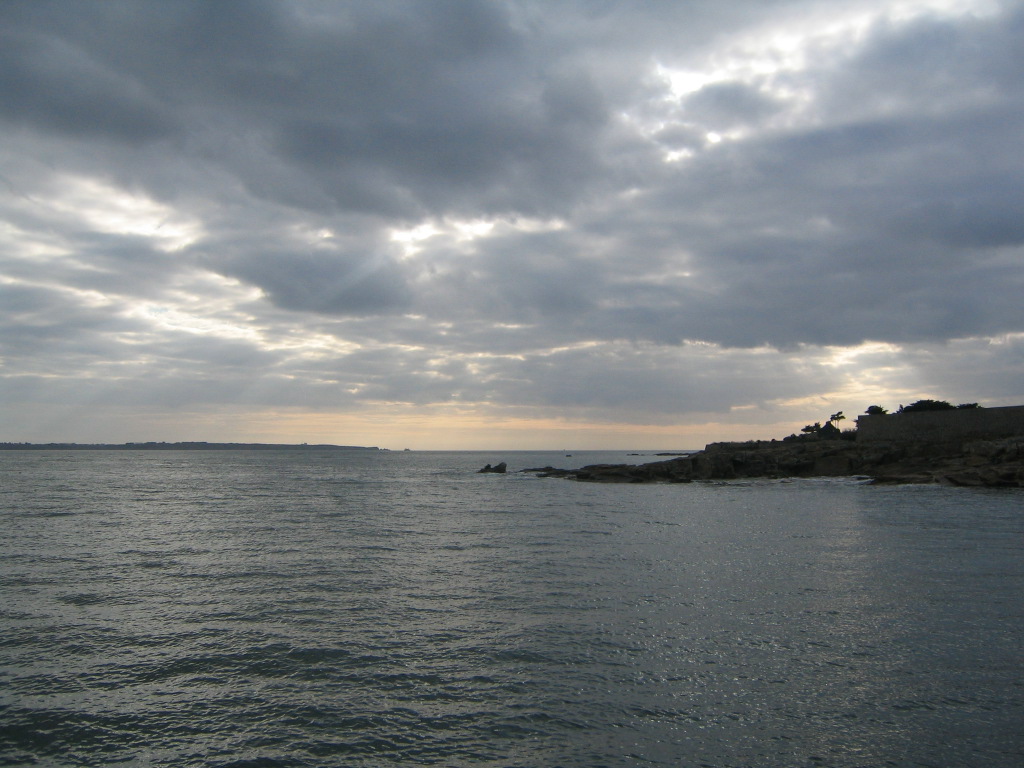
<point x="384" y="609"/>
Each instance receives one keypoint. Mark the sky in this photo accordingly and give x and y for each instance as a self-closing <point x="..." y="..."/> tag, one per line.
<point x="509" y="224"/>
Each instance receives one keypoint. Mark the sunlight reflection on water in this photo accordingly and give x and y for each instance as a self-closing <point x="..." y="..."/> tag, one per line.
<point x="394" y="609"/>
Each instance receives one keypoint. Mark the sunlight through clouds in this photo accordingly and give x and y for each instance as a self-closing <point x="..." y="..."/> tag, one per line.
<point x="463" y="232"/>
<point x="516" y="221"/>
<point x="773" y="60"/>
<point x="106" y="208"/>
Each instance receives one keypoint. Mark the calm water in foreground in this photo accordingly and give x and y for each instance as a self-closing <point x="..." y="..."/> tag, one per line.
<point x="382" y="609"/>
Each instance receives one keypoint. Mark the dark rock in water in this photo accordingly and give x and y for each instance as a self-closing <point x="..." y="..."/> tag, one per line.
<point x="998" y="463"/>
<point x="499" y="468"/>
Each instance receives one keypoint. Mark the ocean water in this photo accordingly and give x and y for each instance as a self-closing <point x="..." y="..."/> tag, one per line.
<point x="322" y="609"/>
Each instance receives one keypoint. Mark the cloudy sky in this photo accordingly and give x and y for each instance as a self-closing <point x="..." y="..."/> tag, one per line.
<point x="521" y="224"/>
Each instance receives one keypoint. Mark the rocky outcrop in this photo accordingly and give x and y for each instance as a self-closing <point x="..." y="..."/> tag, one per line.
<point x="990" y="463"/>
<point x="498" y="468"/>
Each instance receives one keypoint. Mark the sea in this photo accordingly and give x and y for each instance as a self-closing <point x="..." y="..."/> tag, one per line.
<point x="314" y="608"/>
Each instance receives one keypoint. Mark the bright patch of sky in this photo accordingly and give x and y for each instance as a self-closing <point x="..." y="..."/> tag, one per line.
<point x="460" y="232"/>
<point x="106" y="208"/>
<point x="773" y="59"/>
<point x="787" y="45"/>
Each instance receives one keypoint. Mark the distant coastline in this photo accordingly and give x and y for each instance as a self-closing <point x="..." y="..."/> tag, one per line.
<point x="185" y="446"/>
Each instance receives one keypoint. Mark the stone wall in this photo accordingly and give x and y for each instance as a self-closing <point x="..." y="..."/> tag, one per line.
<point x="960" y="424"/>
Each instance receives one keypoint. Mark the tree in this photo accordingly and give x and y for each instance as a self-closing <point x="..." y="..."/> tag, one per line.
<point x="926" y="405"/>
<point x="835" y="418"/>
<point x="830" y="432"/>
<point x="812" y="429"/>
<point x="875" y="410"/>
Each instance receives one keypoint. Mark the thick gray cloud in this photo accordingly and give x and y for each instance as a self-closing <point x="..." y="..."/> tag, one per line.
<point x="53" y="86"/>
<point x="656" y="212"/>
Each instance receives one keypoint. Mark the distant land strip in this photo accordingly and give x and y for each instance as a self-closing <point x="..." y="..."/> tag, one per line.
<point x="191" y="446"/>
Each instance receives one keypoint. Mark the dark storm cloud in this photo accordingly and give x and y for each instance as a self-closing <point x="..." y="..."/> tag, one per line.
<point x="265" y="159"/>
<point x="330" y="283"/>
<point x="400" y="108"/>
<point x="50" y="85"/>
<point x="465" y="152"/>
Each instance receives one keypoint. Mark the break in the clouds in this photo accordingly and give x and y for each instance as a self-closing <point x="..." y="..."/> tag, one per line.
<point x="447" y="215"/>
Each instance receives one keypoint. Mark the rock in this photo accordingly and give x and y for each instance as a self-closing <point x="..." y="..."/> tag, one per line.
<point x="499" y="468"/>
<point x="998" y="463"/>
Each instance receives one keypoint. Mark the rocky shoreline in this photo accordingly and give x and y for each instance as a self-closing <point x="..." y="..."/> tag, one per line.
<point x="981" y="463"/>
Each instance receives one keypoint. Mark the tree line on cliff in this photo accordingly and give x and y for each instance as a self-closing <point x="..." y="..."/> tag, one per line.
<point x="831" y="430"/>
